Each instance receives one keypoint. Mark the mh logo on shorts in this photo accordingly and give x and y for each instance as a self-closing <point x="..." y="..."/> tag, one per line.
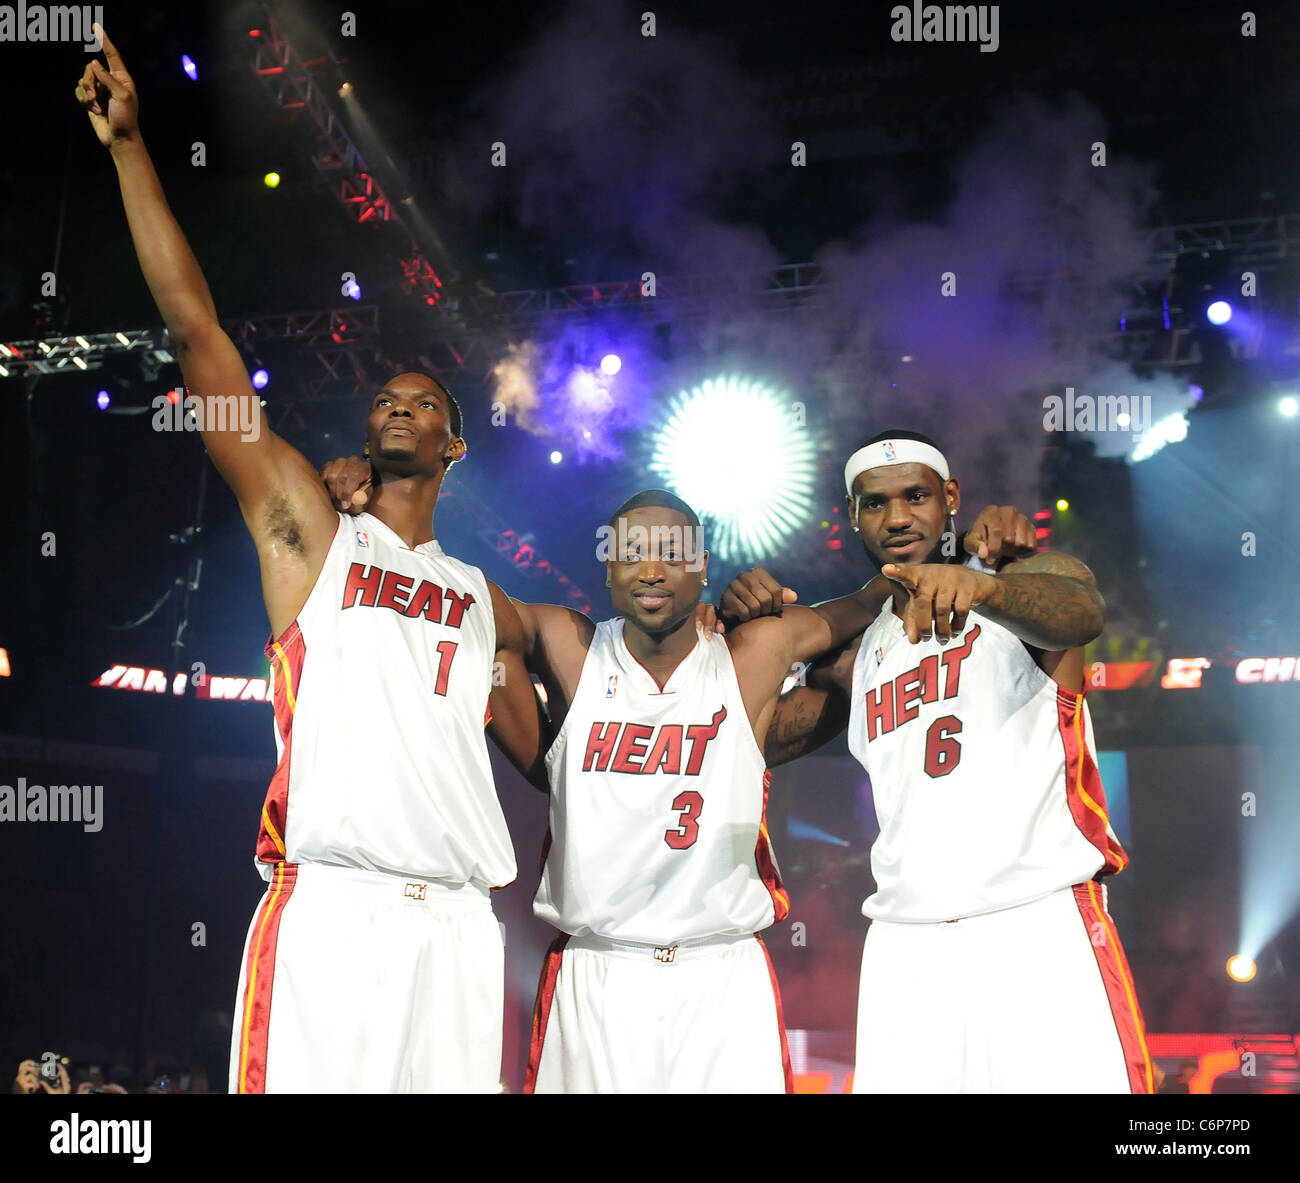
<point x="666" y="953"/>
<point x="415" y="891"/>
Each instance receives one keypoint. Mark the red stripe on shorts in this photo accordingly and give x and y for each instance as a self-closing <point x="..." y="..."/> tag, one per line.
<point x="259" y="976"/>
<point x="542" y="1008"/>
<point x="1118" y="981"/>
<point x="780" y="1016"/>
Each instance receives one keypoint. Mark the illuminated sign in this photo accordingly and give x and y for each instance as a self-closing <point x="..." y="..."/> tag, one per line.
<point x="1268" y="669"/>
<point x="1184" y="673"/>
<point x="213" y="686"/>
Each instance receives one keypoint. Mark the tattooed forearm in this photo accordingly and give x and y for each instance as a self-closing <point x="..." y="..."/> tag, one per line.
<point x="1048" y="611"/>
<point x="803" y="720"/>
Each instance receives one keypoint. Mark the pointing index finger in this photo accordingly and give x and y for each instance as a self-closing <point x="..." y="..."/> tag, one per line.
<point x="111" y="55"/>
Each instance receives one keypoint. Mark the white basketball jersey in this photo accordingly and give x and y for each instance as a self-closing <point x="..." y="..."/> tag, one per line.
<point x="983" y="773"/>
<point x="658" y="798"/>
<point x="381" y="692"/>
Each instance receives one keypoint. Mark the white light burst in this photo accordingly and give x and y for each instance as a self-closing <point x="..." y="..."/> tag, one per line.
<point x="735" y="452"/>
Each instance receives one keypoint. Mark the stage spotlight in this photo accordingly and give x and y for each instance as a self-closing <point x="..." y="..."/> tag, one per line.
<point x="260" y="379"/>
<point x="4" y="663"/>
<point x="734" y="452"/>
<point x="1241" y="968"/>
<point x="1122" y="419"/>
<point x="1219" y="313"/>
<point x="1169" y="430"/>
<point x="1062" y="505"/>
<point x="345" y="91"/>
<point x="1195" y="393"/>
<point x="102" y="400"/>
<point x="353" y="289"/>
<point x="191" y="70"/>
<point x="556" y="457"/>
<point x="611" y="363"/>
<point x="271" y="180"/>
<point x="1288" y="406"/>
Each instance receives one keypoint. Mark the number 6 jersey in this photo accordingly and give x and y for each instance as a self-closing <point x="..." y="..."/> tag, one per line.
<point x="657" y="827"/>
<point x="983" y="773"/>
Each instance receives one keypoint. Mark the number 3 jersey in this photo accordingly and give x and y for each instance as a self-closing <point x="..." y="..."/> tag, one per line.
<point x="983" y="773"/>
<point x="658" y="798"/>
<point x="381" y="691"/>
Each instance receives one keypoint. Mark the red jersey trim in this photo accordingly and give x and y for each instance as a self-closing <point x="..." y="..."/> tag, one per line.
<point x="766" y="861"/>
<point x="1083" y="788"/>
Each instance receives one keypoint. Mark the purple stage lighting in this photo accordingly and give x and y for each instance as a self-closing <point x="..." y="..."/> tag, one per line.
<point x="102" y="400"/>
<point x="191" y="70"/>
<point x="611" y="363"/>
<point x="1219" y="313"/>
<point x="353" y="289"/>
<point x="260" y="379"/>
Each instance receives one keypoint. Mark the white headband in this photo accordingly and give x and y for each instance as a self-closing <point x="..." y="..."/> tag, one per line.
<point x="888" y="453"/>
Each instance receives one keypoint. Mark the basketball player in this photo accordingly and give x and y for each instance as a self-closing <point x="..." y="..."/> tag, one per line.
<point x="990" y="937"/>
<point x="658" y="870"/>
<point x="374" y="963"/>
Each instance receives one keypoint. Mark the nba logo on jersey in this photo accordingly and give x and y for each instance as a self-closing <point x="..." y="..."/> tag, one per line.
<point x="880" y="653"/>
<point x="363" y="539"/>
<point x="611" y="687"/>
<point x="890" y="454"/>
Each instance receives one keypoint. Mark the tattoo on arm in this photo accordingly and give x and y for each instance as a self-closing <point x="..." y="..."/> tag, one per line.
<point x="1047" y="610"/>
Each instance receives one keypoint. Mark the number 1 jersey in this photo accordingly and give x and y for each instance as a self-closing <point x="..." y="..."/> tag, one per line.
<point x="658" y="831"/>
<point x="982" y="770"/>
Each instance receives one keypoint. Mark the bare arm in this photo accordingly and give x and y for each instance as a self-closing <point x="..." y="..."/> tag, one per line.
<point x="517" y="725"/>
<point x="1049" y="600"/>
<point x="282" y="501"/>
<point x="814" y="712"/>
<point x="555" y="644"/>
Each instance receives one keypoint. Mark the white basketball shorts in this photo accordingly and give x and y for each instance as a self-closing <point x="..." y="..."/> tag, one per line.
<point x="361" y="982"/>
<point x="697" y="1017"/>
<point x="1032" y="999"/>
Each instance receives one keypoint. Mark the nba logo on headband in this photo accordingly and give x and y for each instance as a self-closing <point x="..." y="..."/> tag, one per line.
<point x="890" y="454"/>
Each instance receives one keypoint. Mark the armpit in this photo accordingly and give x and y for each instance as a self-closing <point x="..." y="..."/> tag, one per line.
<point x="282" y="525"/>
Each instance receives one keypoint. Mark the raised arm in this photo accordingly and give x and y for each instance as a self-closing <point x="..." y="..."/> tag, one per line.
<point x="282" y="501"/>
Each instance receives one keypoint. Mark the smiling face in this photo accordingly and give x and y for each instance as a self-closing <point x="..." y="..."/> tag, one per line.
<point x="654" y="579"/>
<point x="409" y="428"/>
<point x="902" y="512"/>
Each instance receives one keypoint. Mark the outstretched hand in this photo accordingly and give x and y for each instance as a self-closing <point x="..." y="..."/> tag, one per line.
<point x="108" y="96"/>
<point x="940" y="597"/>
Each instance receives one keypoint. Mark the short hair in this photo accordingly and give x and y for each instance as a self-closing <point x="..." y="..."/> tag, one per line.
<point x="457" y="419"/>
<point x="659" y="498"/>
